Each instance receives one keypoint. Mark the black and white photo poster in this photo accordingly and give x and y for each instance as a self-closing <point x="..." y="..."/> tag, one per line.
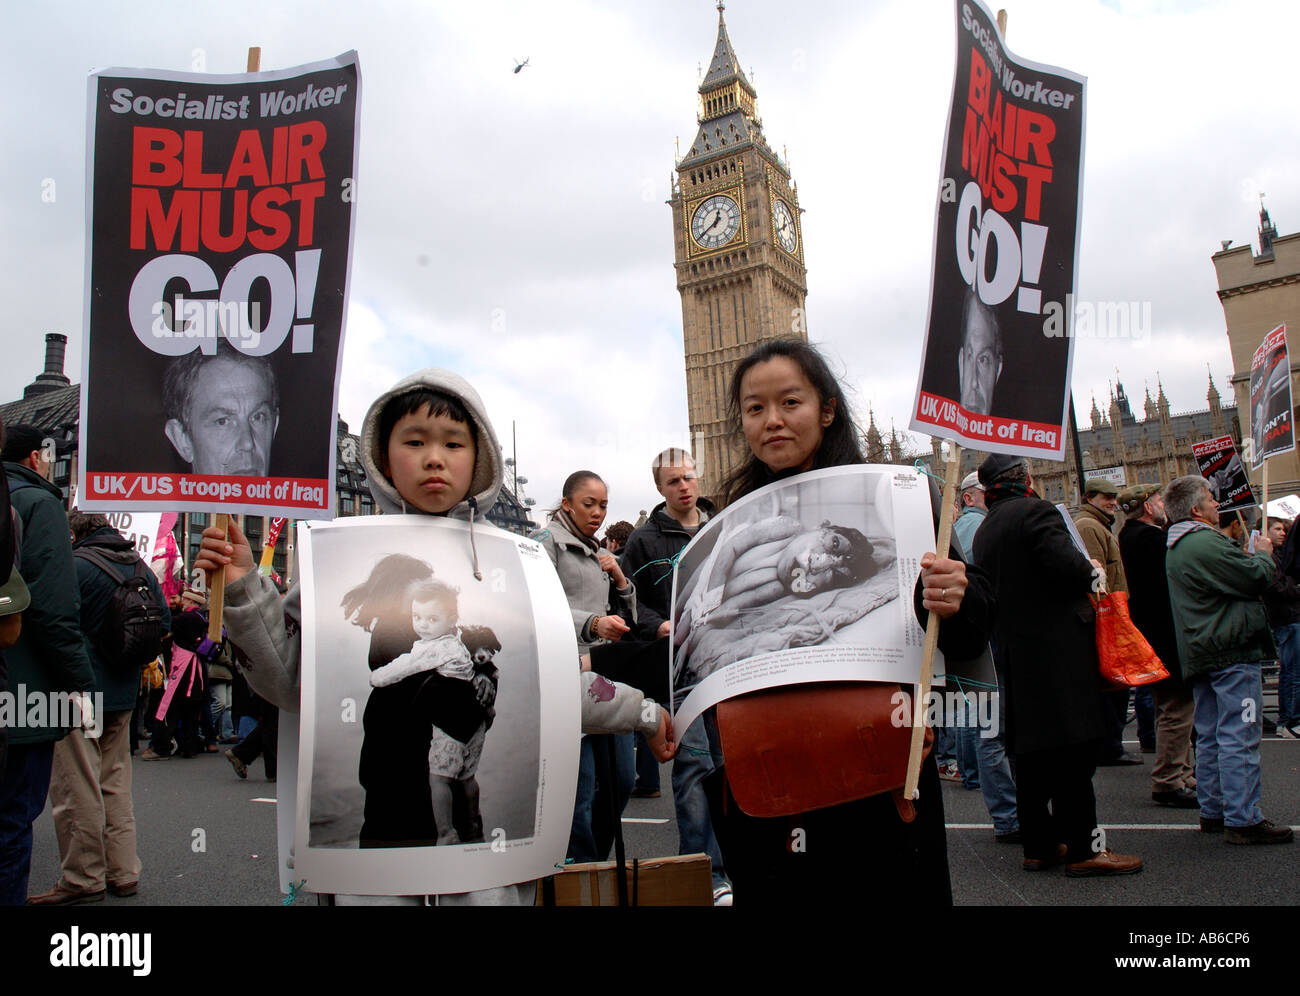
<point x="803" y="580"/>
<point x="1271" y="430"/>
<point x="219" y="233"/>
<point x="440" y="713"/>
<point x="995" y="370"/>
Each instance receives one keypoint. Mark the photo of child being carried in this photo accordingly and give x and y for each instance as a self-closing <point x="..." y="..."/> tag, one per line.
<point x="459" y="691"/>
<point x="800" y="582"/>
<point x="423" y="694"/>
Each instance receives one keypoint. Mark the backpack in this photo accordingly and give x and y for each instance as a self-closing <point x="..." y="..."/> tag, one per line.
<point x="131" y="632"/>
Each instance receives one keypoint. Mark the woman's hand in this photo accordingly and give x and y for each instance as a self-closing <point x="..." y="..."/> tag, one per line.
<point x="609" y="627"/>
<point x="661" y="744"/>
<point x="609" y="564"/>
<point x="234" y="554"/>
<point x="944" y="584"/>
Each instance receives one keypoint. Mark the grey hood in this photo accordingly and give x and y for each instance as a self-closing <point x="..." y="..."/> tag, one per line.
<point x="488" y="469"/>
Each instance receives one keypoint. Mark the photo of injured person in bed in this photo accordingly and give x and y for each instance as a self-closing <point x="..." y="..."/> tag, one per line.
<point x="795" y="565"/>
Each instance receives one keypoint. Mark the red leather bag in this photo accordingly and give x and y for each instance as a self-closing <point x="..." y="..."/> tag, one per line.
<point x="798" y="748"/>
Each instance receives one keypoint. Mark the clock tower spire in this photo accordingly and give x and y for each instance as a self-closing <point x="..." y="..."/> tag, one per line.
<point x="738" y="248"/>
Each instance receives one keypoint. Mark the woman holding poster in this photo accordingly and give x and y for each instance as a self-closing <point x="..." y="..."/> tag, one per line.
<point x="791" y="413"/>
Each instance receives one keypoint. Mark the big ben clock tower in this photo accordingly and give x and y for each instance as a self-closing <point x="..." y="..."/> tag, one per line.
<point x="738" y="244"/>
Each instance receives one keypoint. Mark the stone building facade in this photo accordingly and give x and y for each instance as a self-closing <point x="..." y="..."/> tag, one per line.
<point x="1260" y="291"/>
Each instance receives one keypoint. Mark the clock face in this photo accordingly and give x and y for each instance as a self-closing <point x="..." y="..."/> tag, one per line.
<point x="783" y="222"/>
<point x="716" y="221"/>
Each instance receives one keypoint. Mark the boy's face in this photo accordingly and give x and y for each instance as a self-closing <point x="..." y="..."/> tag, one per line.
<point x="431" y="461"/>
<point x="432" y="619"/>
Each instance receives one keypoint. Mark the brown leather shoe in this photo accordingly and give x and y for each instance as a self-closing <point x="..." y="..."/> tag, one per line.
<point x="1042" y="864"/>
<point x="123" y="889"/>
<point x="1105" y="863"/>
<point x="1263" y="832"/>
<point x="62" y="896"/>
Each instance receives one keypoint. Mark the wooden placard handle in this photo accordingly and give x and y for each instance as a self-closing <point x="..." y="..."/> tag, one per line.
<point x="217" y="587"/>
<point x="942" y="544"/>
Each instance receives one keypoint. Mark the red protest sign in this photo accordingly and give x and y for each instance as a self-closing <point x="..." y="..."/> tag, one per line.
<point x="220" y="221"/>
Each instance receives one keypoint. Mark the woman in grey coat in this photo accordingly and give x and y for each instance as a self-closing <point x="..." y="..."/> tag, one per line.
<point x="585" y="569"/>
<point x="593" y="581"/>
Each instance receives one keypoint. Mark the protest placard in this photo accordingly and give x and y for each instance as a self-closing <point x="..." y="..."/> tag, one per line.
<point x="219" y="230"/>
<point x="1219" y="463"/>
<point x="1271" y="429"/>
<point x="412" y="779"/>
<point x="803" y="580"/>
<point x="140" y="529"/>
<point x="995" y="370"/>
<point x="1286" y="508"/>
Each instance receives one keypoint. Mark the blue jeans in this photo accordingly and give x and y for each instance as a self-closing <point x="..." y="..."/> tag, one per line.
<point x="221" y="715"/>
<point x="592" y="832"/>
<point x="945" y="745"/>
<point x="23" y="787"/>
<point x="1145" y="709"/>
<point x="694" y="827"/>
<point x="996" y="783"/>
<point x="1227" y="744"/>
<point x="1288" y="675"/>
<point x="967" y="738"/>
<point x="647" y="768"/>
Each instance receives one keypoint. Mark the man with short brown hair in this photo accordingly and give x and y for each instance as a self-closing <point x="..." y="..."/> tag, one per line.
<point x="649" y="557"/>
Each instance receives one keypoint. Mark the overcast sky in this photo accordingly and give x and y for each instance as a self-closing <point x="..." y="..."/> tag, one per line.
<point x="512" y="227"/>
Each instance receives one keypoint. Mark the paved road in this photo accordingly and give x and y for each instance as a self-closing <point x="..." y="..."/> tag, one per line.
<point x="181" y="803"/>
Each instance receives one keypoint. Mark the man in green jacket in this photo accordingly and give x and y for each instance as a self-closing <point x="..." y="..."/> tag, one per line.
<point x="48" y="661"/>
<point x="1223" y="636"/>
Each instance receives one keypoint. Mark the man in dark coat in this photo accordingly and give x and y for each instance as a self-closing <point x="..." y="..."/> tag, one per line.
<point x="47" y="662"/>
<point x="648" y="559"/>
<point x="1044" y="635"/>
<point x="90" y="788"/>
<point x="1142" y="546"/>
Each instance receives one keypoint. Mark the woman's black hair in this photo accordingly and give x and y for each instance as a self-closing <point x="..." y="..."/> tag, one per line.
<point x="571" y="484"/>
<point x="385" y="594"/>
<point x="840" y="444"/>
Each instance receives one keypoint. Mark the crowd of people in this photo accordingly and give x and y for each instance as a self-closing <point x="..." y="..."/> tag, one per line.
<point x="1014" y="588"/>
<point x="130" y="653"/>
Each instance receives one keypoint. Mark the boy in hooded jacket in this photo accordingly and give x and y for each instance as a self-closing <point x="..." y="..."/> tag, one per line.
<point x="427" y="447"/>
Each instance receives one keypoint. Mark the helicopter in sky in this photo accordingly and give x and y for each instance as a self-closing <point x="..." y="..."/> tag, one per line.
<point x="520" y="65"/>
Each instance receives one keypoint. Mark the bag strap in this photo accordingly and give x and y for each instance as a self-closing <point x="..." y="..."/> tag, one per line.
<point x="102" y="562"/>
